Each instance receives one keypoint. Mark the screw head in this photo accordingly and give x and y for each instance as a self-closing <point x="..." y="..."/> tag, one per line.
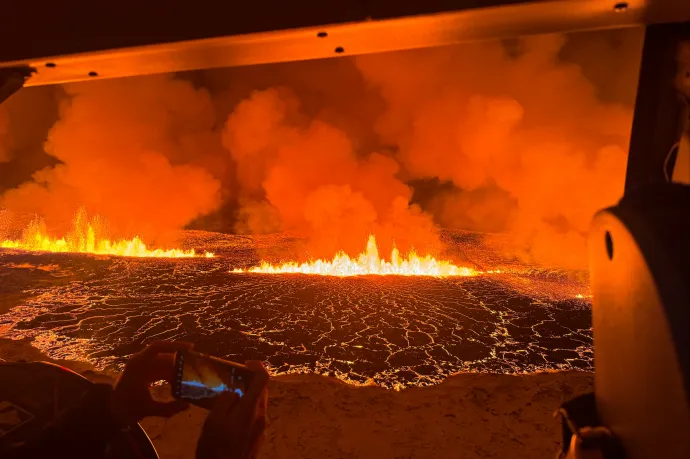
<point x="620" y="7"/>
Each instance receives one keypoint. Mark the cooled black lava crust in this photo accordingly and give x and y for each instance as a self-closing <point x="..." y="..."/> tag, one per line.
<point x="396" y="331"/>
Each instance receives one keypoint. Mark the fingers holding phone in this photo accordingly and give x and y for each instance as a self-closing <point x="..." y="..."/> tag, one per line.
<point x="234" y="427"/>
<point x="257" y="394"/>
<point x="236" y="394"/>
<point x="131" y="399"/>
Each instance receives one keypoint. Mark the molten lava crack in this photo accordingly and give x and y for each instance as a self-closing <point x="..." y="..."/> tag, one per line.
<point x="368" y="263"/>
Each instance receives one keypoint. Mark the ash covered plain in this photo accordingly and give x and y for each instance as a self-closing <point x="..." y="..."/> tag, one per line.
<point x="393" y="331"/>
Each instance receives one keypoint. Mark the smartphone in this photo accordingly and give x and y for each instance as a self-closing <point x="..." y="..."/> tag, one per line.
<point x="200" y="378"/>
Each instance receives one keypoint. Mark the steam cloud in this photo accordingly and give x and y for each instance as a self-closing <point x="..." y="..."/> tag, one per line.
<point x="119" y="144"/>
<point x="24" y="120"/>
<point x="316" y="183"/>
<point x="4" y="128"/>
<point x="525" y="140"/>
<point x="522" y="140"/>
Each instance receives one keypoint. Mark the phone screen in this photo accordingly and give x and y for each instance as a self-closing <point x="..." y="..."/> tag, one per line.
<point x="201" y="378"/>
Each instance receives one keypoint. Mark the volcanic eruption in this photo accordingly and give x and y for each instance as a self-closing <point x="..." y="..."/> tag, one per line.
<point x="435" y="203"/>
<point x="87" y="236"/>
<point x="368" y="263"/>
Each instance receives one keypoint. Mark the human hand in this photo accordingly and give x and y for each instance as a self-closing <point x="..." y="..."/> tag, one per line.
<point x="131" y="399"/>
<point x="578" y="445"/>
<point x="234" y="427"/>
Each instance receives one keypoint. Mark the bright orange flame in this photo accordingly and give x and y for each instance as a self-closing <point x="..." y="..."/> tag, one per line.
<point x="368" y="262"/>
<point x="85" y="237"/>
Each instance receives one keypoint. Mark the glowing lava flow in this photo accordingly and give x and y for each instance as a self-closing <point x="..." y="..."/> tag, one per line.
<point x="85" y="238"/>
<point x="366" y="263"/>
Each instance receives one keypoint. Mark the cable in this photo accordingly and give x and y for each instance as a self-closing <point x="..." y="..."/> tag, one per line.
<point x="669" y="155"/>
<point x="668" y="175"/>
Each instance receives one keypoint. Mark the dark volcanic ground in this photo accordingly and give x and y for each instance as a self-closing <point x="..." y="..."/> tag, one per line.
<point x="396" y="331"/>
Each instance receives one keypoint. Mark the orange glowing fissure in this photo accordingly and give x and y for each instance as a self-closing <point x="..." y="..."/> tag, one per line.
<point x="368" y="263"/>
<point x="86" y="237"/>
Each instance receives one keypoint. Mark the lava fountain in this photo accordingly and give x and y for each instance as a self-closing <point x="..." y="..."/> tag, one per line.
<point x="368" y="263"/>
<point x="86" y="236"/>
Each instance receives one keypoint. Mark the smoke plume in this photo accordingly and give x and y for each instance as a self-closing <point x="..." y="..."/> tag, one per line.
<point x="309" y="174"/>
<point x="524" y="139"/>
<point x="24" y="119"/>
<point x="124" y="150"/>
<point x="4" y="128"/>
<point x="527" y="138"/>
